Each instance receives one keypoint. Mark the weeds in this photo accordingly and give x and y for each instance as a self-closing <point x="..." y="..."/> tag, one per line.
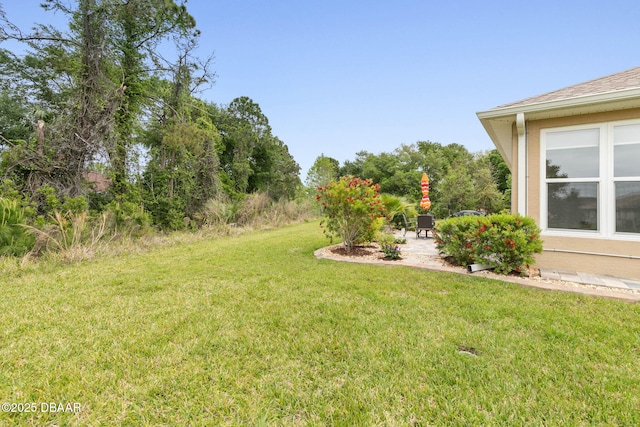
<point x="254" y="211"/>
<point x="70" y="235"/>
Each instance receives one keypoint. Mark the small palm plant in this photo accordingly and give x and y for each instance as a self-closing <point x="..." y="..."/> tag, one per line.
<point x="15" y="239"/>
<point x="396" y="206"/>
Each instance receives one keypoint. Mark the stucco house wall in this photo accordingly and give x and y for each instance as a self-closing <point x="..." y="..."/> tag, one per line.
<point x="610" y="99"/>
<point x="589" y="255"/>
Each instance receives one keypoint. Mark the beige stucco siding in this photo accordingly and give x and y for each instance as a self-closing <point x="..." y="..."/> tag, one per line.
<point x="554" y="257"/>
<point x="620" y="264"/>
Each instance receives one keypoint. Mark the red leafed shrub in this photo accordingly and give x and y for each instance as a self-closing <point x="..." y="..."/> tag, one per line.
<point x="505" y="242"/>
<point x="352" y="208"/>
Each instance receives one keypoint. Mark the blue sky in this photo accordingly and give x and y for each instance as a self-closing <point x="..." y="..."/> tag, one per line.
<point x="336" y="77"/>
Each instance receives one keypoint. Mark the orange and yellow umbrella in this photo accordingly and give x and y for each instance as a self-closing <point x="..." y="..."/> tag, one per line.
<point x="425" y="203"/>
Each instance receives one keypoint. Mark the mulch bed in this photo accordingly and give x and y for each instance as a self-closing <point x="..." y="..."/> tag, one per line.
<point x="370" y="251"/>
<point x="357" y="251"/>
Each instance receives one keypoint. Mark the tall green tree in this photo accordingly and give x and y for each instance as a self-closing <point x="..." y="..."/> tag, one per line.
<point x="65" y="70"/>
<point x="500" y="171"/>
<point x="93" y="81"/>
<point x="488" y="196"/>
<point x="183" y="172"/>
<point x="15" y="124"/>
<point x="458" y="193"/>
<point x="354" y="168"/>
<point x="138" y="28"/>
<point x="274" y="169"/>
<point x="253" y="159"/>
<point x="322" y="172"/>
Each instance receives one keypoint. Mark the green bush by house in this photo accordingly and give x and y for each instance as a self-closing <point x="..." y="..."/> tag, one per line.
<point x="505" y="242"/>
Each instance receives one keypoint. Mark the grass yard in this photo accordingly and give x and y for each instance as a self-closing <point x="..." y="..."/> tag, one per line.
<point x="253" y="330"/>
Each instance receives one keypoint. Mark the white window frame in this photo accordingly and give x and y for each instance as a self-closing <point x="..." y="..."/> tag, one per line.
<point x="606" y="184"/>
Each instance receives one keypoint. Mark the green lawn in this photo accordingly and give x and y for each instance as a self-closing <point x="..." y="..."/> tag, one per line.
<point x="253" y="330"/>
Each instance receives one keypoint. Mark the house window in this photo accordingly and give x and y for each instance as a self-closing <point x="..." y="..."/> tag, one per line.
<point x="626" y="172"/>
<point x="573" y="175"/>
<point x="592" y="180"/>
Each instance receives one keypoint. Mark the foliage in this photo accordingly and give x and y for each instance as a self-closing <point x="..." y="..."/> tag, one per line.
<point x="252" y="158"/>
<point x="322" y="172"/>
<point x="96" y="93"/>
<point x="9" y="191"/>
<point x="454" y="238"/>
<point x="14" y="120"/>
<point x="49" y="202"/>
<point x="182" y="173"/>
<point x="396" y="206"/>
<point x="256" y="210"/>
<point x="505" y="242"/>
<point x="458" y="179"/>
<point x="140" y="26"/>
<point x="15" y="240"/>
<point x="72" y="235"/>
<point x="490" y="192"/>
<point x="391" y="251"/>
<point x="500" y="171"/>
<point x="128" y="217"/>
<point x="352" y="207"/>
<point x="100" y="96"/>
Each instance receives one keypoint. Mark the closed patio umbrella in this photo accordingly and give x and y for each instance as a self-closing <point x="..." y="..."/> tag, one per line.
<point x="425" y="203"/>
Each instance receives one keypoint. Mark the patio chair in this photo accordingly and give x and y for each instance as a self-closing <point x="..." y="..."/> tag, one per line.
<point x="408" y="225"/>
<point x="424" y="223"/>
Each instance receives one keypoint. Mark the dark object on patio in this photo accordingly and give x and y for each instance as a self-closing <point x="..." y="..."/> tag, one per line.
<point x="425" y="223"/>
<point x="465" y="213"/>
<point x="408" y="225"/>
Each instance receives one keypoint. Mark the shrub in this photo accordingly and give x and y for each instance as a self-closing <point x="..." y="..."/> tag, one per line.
<point x="15" y="239"/>
<point x="352" y="208"/>
<point x="75" y="205"/>
<point x="9" y="191"/>
<point x="47" y="199"/>
<point x="391" y="251"/>
<point x="168" y="212"/>
<point x="128" y="217"/>
<point x="453" y="238"/>
<point x="216" y="211"/>
<point x="389" y="245"/>
<point x="505" y="242"/>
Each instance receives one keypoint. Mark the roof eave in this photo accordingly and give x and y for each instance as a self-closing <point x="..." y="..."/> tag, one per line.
<point x="615" y="97"/>
<point x="498" y="122"/>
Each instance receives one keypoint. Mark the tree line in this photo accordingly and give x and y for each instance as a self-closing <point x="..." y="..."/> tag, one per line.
<point x="116" y="95"/>
<point x="459" y="179"/>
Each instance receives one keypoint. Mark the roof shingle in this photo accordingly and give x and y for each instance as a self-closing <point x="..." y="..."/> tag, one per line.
<point x="629" y="79"/>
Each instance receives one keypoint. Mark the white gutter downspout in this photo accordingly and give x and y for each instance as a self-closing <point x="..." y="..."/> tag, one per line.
<point x="522" y="164"/>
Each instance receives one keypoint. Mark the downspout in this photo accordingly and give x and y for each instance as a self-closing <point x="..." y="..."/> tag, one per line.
<point x="522" y="164"/>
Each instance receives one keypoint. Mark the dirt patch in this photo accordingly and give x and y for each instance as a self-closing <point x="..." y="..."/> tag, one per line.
<point x="370" y="252"/>
<point x="357" y="251"/>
